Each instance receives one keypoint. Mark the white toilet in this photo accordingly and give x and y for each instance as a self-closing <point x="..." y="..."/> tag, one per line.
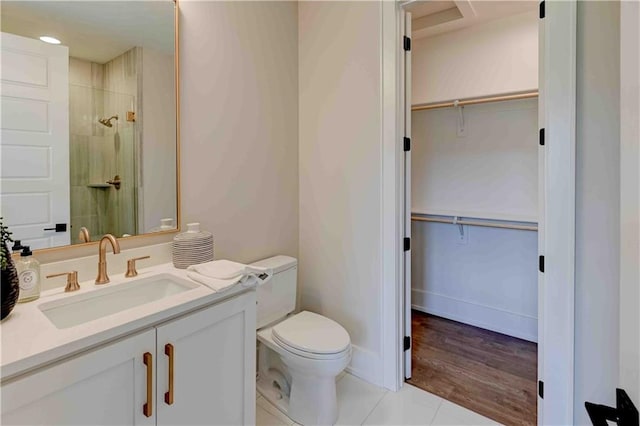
<point x="299" y="356"/>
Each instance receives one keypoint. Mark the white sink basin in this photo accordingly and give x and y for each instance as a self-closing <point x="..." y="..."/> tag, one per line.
<point x="74" y="310"/>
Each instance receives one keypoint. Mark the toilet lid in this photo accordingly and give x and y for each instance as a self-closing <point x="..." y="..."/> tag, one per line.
<point x="312" y="333"/>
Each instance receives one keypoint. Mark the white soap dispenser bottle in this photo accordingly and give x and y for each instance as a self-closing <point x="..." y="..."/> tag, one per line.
<point x="29" y="276"/>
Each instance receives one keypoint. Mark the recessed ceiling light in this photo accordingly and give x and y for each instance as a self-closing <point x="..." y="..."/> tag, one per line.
<point x="50" y="40"/>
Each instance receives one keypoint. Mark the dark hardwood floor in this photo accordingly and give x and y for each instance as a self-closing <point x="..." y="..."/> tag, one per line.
<point x="487" y="372"/>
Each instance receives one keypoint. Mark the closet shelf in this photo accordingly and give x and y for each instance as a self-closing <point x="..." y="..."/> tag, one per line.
<point x="474" y="101"/>
<point x="459" y="220"/>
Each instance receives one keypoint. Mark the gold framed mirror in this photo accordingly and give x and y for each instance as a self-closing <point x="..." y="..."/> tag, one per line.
<point x="90" y="121"/>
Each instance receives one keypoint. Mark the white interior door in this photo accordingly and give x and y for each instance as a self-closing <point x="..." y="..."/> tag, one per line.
<point x="407" y="198"/>
<point x="34" y="146"/>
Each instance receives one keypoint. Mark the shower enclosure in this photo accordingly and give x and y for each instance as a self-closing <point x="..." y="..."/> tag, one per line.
<point x="104" y="162"/>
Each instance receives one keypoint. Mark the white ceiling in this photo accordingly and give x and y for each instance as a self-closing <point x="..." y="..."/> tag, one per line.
<point x="433" y="17"/>
<point x="96" y="31"/>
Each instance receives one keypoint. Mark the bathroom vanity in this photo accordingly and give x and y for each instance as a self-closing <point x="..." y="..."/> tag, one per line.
<point x="155" y="350"/>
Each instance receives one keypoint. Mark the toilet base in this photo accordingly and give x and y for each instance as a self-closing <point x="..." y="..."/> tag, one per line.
<point x="313" y="400"/>
<point x="274" y="396"/>
<point x="302" y="388"/>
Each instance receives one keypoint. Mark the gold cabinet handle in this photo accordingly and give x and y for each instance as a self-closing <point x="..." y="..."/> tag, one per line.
<point x="147" y="408"/>
<point x="168" y="396"/>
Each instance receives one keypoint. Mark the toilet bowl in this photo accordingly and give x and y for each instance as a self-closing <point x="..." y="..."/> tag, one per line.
<point x="299" y="356"/>
<point x="313" y="359"/>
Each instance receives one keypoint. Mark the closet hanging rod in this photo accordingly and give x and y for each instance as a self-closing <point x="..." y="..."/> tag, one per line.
<point x="487" y="224"/>
<point x="474" y="101"/>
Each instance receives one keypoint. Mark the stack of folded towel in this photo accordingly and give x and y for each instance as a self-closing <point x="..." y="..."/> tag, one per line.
<point x="220" y="275"/>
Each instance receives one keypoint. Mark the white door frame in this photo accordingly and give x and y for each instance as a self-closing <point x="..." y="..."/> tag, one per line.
<point x="406" y="217"/>
<point x="629" y="378"/>
<point x="392" y="197"/>
<point x="557" y="116"/>
<point x="557" y="242"/>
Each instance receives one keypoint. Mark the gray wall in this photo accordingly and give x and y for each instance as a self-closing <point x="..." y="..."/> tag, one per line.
<point x="239" y="125"/>
<point x="340" y="171"/>
<point x="597" y="205"/>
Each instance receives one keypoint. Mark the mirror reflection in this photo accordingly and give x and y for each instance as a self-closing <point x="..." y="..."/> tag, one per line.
<point x="88" y="120"/>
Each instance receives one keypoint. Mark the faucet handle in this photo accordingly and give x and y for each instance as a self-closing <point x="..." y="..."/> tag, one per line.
<point x="72" y="280"/>
<point x="131" y="266"/>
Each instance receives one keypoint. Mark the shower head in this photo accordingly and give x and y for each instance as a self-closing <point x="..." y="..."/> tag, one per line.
<point x="107" y="121"/>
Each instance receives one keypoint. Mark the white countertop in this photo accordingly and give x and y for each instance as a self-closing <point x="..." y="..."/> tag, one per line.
<point x="30" y="340"/>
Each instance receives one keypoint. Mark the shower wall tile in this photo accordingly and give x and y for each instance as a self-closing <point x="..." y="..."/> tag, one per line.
<point x="97" y="160"/>
<point x="126" y="157"/>
<point x="89" y="222"/>
<point x="97" y="76"/>
<point x="79" y="159"/>
<point x="111" y="211"/>
<point x="97" y="152"/>
<point x="121" y="73"/>
<point x="122" y="76"/>
<point x="80" y="110"/>
<point x="98" y="112"/>
<point x="83" y="204"/>
<point x="76" y="224"/>
<point x="102" y="211"/>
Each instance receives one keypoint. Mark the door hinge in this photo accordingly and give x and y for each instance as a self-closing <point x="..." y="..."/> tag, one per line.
<point x="541" y="389"/>
<point x="541" y="263"/>
<point x="625" y="413"/>
<point x="406" y="41"/>
<point x="542" y="137"/>
<point x="407" y="343"/>
<point x="407" y="243"/>
<point x="542" y="10"/>
<point x="407" y="144"/>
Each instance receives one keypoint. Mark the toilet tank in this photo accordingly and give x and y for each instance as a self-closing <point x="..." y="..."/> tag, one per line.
<point x="277" y="297"/>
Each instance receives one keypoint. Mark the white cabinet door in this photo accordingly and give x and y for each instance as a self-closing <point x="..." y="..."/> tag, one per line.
<point x="107" y="386"/>
<point x="34" y="144"/>
<point x="213" y="366"/>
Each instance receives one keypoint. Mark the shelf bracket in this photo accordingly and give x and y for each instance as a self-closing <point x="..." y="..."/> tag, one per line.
<point x="460" y="226"/>
<point x="461" y="130"/>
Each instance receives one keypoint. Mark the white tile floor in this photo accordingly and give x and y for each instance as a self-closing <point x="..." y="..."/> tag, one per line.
<point x="360" y="403"/>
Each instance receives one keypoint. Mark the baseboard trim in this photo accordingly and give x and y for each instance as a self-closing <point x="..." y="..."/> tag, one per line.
<point x="490" y="318"/>
<point x="365" y="365"/>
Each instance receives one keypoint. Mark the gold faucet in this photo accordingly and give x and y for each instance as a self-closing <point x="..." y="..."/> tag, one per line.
<point x="102" y="277"/>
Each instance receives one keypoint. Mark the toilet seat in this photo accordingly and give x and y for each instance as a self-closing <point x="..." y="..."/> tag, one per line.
<point x="312" y="336"/>
<point x="311" y="355"/>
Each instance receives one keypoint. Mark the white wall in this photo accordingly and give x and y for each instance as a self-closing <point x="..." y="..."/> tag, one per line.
<point x="491" y="172"/>
<point x="490" y="279"/>
<point x="239" y="129"/>
<point x="630" y="199"/>
<point x="597" y="206"/>
<point x="499" y="56"/>
<point x="340" y="171"/>
<point x="158" y="145"/>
